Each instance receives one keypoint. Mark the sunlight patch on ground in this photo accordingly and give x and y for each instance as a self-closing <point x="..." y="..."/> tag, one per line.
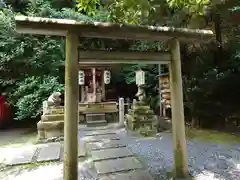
<point x="99" y="144"/>
<point x="51" y="171"/>
<point x="206" y="175"/>
<point x="17" y="138"/>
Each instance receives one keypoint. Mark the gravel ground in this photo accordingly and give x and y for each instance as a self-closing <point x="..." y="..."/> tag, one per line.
<point x="207" y="161"/>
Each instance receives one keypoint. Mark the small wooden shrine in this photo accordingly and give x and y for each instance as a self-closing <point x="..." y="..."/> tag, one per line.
<point x="93" y="105"/>
<point x="92" y="83"/>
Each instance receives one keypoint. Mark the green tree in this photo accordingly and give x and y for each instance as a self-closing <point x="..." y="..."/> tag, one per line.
<point x="25" y="58"/>
<point x="30" y="93"/>
<point x="28" y="57"/>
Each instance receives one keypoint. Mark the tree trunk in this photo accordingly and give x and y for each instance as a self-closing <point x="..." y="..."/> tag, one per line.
<point x="218" y="32"/>
<point x="195" y="122"/>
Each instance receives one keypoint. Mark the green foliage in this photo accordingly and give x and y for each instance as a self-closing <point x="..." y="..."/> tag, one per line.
<point x="44" y="8"/>
<point x="210" y="90"/>
<point x="90" y="7"/>
<point x="30" y="93"/>
<point x="26" y="59"/>
<point x="23" y="55"/>
<point x="192" y="6"/>
<point x="129" y="11"/>
<point x="209" y="86"/>
<point x="155" y="12"/>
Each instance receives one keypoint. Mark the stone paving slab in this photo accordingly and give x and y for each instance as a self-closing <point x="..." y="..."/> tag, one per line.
<point x="101" y="138"/>
<point x="49" y="152"/>
<point x="131" y="175"/>
<point x="113" y="153"/>
<point x="99" y="132"/>
<point x="105" y="145"/>
<point x="117" y="165"/>
<point x="85" y="128"/>
<point x="81" y="149"/>
<point x="20" y="156"/>
<point x="95" y="123"/>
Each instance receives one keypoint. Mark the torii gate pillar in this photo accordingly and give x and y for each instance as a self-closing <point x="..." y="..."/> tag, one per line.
<point x="178" y="125"/>
<point x="71" y="108"/>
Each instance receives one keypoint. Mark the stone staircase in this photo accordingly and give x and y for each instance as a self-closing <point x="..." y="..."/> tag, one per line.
<point x="110" y="157"/>
<point x="96" y="119"/>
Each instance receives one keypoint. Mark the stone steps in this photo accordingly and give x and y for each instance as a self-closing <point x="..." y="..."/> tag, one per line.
<point x="96" y="123"/>
<point x="96" y="119"/>
<point x="52" y="117"/>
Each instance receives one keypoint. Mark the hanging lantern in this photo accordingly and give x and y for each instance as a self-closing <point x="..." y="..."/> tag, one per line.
<point x="140" y="77"/>
<point x="107" y="77"/>
<point x="81" y="77"/>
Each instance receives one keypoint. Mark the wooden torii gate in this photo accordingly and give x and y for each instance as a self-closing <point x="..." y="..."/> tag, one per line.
<point x="72" y="30"/>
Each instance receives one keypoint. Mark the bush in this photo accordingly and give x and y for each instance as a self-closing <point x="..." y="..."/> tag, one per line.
<point x="31" y="92"/>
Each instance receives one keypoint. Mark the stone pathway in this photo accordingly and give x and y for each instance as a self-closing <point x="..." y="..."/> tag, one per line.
<point x="31" y="154"/>
<point x="106" y="155"/>
<point x="110" y="156"/>
<point x="207" y="161"/>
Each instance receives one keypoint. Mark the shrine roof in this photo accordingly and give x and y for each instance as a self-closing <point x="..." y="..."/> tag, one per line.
<point x="163" y="75"/>
<point x="83" y="65"/>
<point x="60" y="27"/>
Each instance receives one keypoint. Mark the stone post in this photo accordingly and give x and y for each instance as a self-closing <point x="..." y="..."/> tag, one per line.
<point x="121" y="111"/>
<point x="134" y="103"/>
<point x="103" y="89"/>
<point x="94" y="85"/>
<point x="82" y="93"/>
<point x="45" y="107"/>
<point x="71" y="108"/>
<point x="178" y="126"/>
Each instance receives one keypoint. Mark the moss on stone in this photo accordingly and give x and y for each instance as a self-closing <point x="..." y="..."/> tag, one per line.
<point x="52" y="117"/>
<point x="50" y="125"/>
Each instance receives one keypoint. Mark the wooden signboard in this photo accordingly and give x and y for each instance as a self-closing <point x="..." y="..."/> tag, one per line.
<point x="165" y="91"/>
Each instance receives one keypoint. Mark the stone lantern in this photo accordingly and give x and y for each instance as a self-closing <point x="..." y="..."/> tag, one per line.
<point x="141" y="117"/>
